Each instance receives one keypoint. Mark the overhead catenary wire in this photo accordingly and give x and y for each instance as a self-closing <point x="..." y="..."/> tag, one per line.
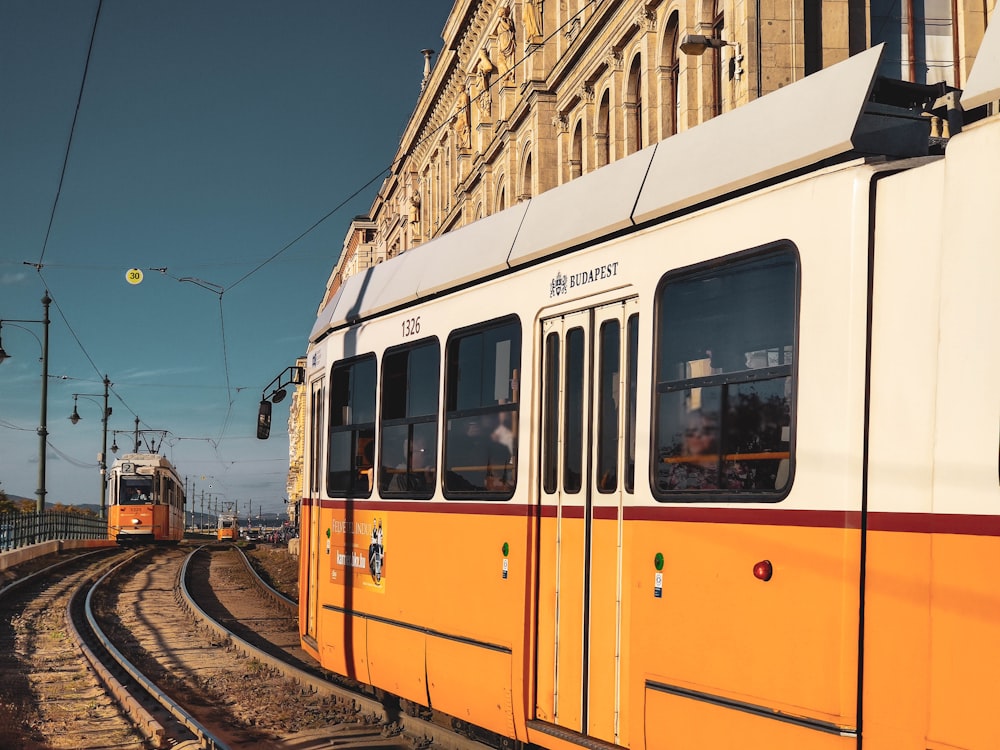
<point x="72" y="130"/>
<point x="217" y="289"/>
<point x="429" y="136"/>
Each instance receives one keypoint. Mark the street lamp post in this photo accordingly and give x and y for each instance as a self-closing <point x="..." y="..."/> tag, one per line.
<point x="43" y="431"/>
<point x="102" y="457"/>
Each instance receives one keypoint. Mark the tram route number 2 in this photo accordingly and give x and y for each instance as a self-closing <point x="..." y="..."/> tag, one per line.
<point x="411" y="327"/>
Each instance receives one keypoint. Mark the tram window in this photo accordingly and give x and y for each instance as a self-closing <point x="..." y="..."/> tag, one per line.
<point x="351" y="443"/>
<point x="632" y="332"/>
<point x="573" y="412"/>
<point x="607" y="406"/>
<point x="550" y="440"/>
<point x="316" y="435"/>
<point x="135" y="491"/>
<point x="481" y="396"/>
<point x="724" y="380"/>
<point x="409" y="420"/>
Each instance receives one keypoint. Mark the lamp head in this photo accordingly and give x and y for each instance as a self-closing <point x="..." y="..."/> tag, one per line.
<point x="696" y="44"/>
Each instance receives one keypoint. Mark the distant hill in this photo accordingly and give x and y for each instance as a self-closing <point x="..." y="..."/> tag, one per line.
<point x="92" y="507"/>
<point x="19" y="498"/>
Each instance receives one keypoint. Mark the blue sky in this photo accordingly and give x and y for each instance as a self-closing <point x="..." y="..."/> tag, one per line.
<point x="209" y="135"/>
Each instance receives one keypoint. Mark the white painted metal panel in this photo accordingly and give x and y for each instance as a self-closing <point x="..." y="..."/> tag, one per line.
<point x="348" y="301"/>
<point x="323" y="319"/>
<point x="984" y="81"/>
<point x="583" y="209"/>
<point x="388" y="284"/>
<point x="469" y="253"/>
<point x="802" y="124"/>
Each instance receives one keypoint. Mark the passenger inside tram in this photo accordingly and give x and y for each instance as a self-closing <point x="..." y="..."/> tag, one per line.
<point x="478" y="457"/>
<point x="698" y="466"/>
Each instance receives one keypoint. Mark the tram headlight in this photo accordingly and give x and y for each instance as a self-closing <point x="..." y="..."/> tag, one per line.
<point x="135" y="521"/>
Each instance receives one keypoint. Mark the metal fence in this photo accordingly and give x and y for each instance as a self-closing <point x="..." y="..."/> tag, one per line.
<point x="21" y="529"/>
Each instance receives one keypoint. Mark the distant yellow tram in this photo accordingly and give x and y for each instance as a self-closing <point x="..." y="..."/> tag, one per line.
<point x="227" y="527"/>
<point x="145" y="500"/>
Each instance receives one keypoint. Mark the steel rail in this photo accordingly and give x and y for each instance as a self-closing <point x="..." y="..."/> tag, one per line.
<point x="205" y="737"/>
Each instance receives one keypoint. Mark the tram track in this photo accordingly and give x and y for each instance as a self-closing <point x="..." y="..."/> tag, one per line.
<point x="183" y="649"/>
<point x="49" y="696"/>
<point x="228" y="594"/>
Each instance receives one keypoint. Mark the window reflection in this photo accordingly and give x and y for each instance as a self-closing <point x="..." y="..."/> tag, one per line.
<point x="724" y="378"/>
<point x="351" y="445"/>
<point x="408" y="457"/>
<point x="482" y="390"/>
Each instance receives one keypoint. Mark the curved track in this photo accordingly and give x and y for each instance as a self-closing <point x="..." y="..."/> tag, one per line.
<point x="183" y="649"/>
<point x="49" y="696"/>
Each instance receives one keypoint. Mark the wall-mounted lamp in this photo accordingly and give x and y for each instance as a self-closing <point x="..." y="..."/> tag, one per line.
<point x="696" y="44"/>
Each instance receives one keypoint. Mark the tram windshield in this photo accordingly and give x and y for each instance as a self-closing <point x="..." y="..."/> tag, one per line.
<point x="135" y="491"/>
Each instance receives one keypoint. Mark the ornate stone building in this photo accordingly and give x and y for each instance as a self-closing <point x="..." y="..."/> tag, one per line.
<point x="528" y="94"/>
<point x="296" y="445"/>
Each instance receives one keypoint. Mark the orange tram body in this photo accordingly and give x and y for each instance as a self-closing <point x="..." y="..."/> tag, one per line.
<point x="228" y="528"/>
<point x="145" y="500"/>
<point x="698" y="450"/>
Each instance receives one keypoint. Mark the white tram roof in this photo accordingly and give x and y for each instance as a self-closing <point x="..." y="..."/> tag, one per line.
<point x="820" y="117"/>
<point x="143" y="459"/>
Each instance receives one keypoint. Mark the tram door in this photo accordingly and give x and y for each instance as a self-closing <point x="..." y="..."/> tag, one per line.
<point x="313" y="489"/>
<point x="586" y="465"/>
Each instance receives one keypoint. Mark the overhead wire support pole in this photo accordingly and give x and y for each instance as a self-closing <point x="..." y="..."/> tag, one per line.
<point x="43" y="431"/>
<point x="102" y="457"/>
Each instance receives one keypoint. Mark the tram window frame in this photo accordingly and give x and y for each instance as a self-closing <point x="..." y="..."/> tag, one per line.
<point x="631" y="397"/>
<point x="725" y="343"/>
<point x="351" y="427"/>
<point x="409" y="410"/>
<point x="472" y="388"/>
<point x="317" y="402"/>
<point x="550" y="437"/>
<point x="608" y="386"/>
<point x="574" y="463"/>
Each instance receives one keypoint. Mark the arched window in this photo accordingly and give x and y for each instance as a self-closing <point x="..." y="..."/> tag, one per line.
<point x="633" y="108"/>
<point x="671" y="83"/>
<point x="602" y="136"/>
<point x="576" y="156"/>
<point x="526" y="180"/>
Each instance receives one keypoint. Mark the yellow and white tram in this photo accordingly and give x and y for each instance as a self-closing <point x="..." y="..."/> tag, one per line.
<point x="699" y="450"/>
<point x="145" y="500"/>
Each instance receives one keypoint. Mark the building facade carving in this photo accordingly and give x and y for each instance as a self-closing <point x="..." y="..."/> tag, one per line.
<point x="527" y="94"/>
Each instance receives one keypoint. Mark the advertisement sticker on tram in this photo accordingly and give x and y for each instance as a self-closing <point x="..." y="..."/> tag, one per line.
<point x="358" y="553"/>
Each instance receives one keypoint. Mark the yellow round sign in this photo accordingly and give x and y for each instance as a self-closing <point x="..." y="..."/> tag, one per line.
<point x="133" y="276"/>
